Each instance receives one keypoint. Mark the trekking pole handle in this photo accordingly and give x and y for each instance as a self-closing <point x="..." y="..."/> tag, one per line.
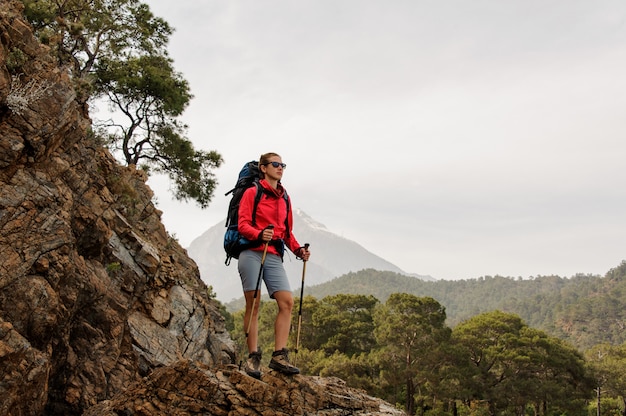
<point x="306" y="248"/>
<point x="269" y="227"/>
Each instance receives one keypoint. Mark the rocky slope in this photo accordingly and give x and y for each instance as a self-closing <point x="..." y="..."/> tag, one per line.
<point x="101" y="312"/>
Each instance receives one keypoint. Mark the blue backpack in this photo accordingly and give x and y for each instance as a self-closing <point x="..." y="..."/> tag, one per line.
<point x="234" y="242"/>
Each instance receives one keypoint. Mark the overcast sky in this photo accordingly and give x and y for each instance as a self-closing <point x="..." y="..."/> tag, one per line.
<point x="456" y="138"/>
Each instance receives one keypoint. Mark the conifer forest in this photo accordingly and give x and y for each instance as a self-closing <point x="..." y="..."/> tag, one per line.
<point x="494" y="345"/>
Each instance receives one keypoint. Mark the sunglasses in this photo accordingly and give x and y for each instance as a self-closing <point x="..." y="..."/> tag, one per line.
<point x="276" y="164"/>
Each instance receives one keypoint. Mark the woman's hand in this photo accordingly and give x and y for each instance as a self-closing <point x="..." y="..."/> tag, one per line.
<point x="267" y="234"/>
<point x="303" y="253"/>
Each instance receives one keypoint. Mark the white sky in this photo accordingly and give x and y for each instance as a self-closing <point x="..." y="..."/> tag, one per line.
<point x="453" y="138"/>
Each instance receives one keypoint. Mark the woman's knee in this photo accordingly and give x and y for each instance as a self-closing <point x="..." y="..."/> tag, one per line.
<point x="284" y="300"/>
<point x="251" y="301"/>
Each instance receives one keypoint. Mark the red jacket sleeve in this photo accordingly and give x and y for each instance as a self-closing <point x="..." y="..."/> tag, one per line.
<point x="291" y="242"/>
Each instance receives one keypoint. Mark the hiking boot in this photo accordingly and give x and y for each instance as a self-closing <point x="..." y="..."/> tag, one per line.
<point x="280" y="362"/>
<point x="253" y="365"/>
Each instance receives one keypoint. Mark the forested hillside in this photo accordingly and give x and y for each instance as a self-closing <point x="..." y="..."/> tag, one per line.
<point x="584" y="309"/>
<point x="498" y="344"/>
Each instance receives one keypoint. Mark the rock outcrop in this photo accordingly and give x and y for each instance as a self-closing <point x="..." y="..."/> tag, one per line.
<point x="94" y="294"/>
<point x="101" y="311"/>
<point x="187" y="388"/>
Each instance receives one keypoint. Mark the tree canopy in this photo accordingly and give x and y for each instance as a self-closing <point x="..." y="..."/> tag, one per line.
<point x="583" y="309"/>
<point x="116" y="51"/>
<point x="514" y="365"/>
<point x="608" y="367"/>
<point x="410" y="331"/>
<point x="403" y="351"/>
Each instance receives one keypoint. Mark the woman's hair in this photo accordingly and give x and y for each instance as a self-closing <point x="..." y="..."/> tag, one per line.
<point x="265" y="158"/>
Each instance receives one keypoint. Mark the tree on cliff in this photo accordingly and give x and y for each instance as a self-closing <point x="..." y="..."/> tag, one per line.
<point x="116" y="50"/>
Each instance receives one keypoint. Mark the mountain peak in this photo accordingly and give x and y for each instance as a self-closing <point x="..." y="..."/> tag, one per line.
<point x="308" y="220"/>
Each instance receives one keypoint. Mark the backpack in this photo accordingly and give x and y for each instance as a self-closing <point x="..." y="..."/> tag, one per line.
<point x="234" y="242"/>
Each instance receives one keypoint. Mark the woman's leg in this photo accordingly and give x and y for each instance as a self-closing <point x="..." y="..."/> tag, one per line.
<point x="280" y="359"/>
<point x="282" y="324"/>
<point x="252" y="332"/>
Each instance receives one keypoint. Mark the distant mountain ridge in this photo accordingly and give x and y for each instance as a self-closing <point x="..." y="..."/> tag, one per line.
<point x="332" y="256"/>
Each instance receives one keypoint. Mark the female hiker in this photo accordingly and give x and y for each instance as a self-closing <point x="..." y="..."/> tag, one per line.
<point x="272" y="226"/>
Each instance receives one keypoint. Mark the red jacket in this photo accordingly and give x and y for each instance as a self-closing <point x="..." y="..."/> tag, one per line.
<point x="272" y="209"/>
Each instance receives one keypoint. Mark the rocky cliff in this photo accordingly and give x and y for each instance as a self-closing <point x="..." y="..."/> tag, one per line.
<point x="101" y="312"/>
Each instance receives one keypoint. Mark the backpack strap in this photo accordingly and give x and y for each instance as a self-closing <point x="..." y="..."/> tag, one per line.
<point x="286" y="197"/>
<point x="257" y="199"/>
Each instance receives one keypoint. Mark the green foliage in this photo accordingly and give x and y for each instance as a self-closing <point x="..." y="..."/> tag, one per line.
<point x="116" y="49"/>
<point x="517" y="365"/>
<point x="120" y="185"/>
<point x="113" y="268"/>
<point x="229" y="319"/>
<point x="358" y="371"/>
<point x="607" y="364"/>
<point x="609" y="406"/>
<point x="15" y="60"/>
<point x="344" y="323"/>
<point x="267" y="314"/>
<point x="593" y="310"/>
<point x="190" y="170"/>
<point x="81" y="32"/>
<point x="309" y="361"/>
<point x="411" y="332"/>
<point x="492" y="362"/>
<point x="583" y="310"/>
<point x="132" y="80"/>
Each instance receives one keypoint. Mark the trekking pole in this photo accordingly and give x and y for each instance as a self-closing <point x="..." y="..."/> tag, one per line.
<point x="258" y="283"/>
<point x="306" y="248"/>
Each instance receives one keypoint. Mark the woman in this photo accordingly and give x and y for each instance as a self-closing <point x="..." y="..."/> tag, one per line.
<point x="269" y="227"/>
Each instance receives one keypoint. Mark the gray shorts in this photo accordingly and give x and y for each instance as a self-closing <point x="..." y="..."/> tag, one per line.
<point x="274" y="274"/>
